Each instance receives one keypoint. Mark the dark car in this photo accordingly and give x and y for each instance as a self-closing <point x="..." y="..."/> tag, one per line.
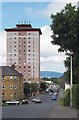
<point x="25" y="101"/>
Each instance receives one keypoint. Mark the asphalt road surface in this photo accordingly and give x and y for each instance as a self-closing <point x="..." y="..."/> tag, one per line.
<point x="31" y="110"/>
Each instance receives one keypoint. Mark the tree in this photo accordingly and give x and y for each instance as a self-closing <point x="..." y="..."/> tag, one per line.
<point x="33" y="87"/>
<point x="26" y="89"/>
<point x="43" y="86"/>
<point x="65" y="27"/>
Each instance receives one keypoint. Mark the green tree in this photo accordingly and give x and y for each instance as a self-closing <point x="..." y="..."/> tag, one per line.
<point x="43" y="86"/>
<point x="26" y="89"/>
<point x="65" y="27"/>
<point x="33" y="87"/>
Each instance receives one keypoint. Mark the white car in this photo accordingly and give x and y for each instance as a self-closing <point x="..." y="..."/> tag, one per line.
<point x="55" y="93"/>
<point x="38" y="100"/>
<point x="33" y="100"/>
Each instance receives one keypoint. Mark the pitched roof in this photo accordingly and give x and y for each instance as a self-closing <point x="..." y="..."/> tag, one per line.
<point x="9" y="71"/>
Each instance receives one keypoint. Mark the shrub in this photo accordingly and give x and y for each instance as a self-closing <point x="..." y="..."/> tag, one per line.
<point x="75" y="96"/>
<point x="65" y="101"/>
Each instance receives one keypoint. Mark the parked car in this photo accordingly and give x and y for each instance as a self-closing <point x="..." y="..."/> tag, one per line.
<point x="55" y="93"/>
<point x="25" y="101"/>
<point x="50" y="93"/>
<point x="33" y="99"/>
<point x="38" y="100"/>
<point x="12" y="102"/>
<point x="54" y="97"/>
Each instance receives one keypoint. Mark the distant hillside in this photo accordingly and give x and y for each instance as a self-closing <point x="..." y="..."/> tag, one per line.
<point x="50" y="74"/>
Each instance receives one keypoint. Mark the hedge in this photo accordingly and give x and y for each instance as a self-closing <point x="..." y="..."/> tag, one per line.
<point x="65" y="101"/>
<point x="75" y="96"/>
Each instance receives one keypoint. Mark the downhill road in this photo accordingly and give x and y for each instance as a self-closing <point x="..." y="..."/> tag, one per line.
<point x="31" y="110"/>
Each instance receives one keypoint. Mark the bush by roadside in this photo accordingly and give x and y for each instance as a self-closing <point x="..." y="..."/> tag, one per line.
<point x="65" y="101"/>
<point x="75" y="96"/>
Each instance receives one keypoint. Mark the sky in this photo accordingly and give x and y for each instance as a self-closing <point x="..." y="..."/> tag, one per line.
<point x="37" y="13"/>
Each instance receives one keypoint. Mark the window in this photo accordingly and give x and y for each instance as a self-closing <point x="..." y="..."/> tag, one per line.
<point x="19" y="33"/>
<point x="3" y="94"/>
<point x="19" y="58"/>
<point x="24" y="50"/>
<point x="24" y="67"/>
<point x="28" y="33"/>
<point x="3" y="86"/>
<point x="10" y="59"/>
<point x="24" y="80"/>
<point x="28" y="66"/>
<point x="11" y="86"/>
<point x="28" y="58"/>
<point x="3" y="77"/>
<point x="10" y="55"/>
<point x="28" y="37"/>
<point x="15" y="94"/>
<point x="15" y="37"/>
<point x="15" y="86"/>
<point x="24" y="42"/>
<point x="28" y="70"/>
<point x="14" y="54"/>
<point x="14" y="46"/>
<point x="28" y="54"/>
<point x="19" y="66"/>
<point x="28" y="41"/>
<point x="14" y="77"/>
<point x="33" y="67"/>
<point x="11" y="78"/>
<point x="28" y="50"/>
<point x="28" y="62"/>
<point x="29" y="46"/>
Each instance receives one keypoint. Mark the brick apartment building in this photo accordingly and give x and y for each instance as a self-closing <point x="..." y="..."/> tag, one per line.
<point x="23" y="50"/>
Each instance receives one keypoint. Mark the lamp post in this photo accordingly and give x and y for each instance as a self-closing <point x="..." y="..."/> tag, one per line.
<point x="71" y="78"/>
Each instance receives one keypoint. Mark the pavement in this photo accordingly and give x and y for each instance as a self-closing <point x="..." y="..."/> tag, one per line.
<point x="59" y="111"/>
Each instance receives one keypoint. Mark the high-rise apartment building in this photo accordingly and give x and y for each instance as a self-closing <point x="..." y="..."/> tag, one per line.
<point x="23" y="50"/>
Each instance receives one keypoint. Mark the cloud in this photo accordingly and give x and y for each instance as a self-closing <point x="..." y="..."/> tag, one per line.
<point x="57" y="6"/>
<point x="50" y="58"/>
<point x="2" y="48"/>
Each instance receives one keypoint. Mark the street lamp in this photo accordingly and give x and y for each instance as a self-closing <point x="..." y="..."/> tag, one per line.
<point x="71" y="76"/>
